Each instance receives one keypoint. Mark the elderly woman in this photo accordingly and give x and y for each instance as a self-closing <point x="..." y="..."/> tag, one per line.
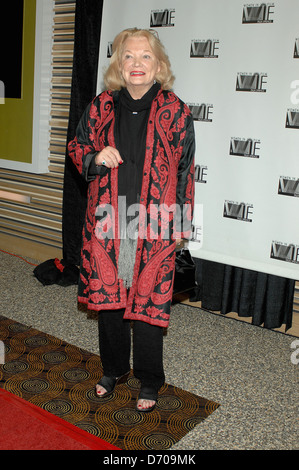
<point x="135" y="146"/>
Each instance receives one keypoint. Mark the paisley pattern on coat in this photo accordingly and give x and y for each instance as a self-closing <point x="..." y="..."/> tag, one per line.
<point x="168" y="179"/>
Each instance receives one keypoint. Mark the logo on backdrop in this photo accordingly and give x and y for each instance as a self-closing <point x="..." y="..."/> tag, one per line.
<point x="162" y="18"/>
<point x="244" y="147"/>
<point x="201" y="112"/>
<point x="251" y="82"/>
<point x="238" y="211"/>
<point x="109" y="50"/>
<point x="295" y="94"/>
<point x="2" y="92"/>
<point x="2" y="353"/>
<point x="200" y="174"/>
<point x="258" y="13"/>
<point x="288" y="186"/>
<point x="296" y="49"/>
<point x="292" y="119"/>
<point x="285" y="252"/>
<point x="197" y="234"/>
<point x="204" y="48"/>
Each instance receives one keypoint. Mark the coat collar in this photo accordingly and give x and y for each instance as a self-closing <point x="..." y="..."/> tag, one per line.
<point x="115" y="96"/>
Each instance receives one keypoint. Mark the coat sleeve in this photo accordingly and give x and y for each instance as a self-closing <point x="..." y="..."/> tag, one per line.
<point x="82" y="151"/>
<point x="185" y="183"/>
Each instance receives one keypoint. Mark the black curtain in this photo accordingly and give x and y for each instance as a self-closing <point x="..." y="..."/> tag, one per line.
<point x="267" y="299"/>
<point x="84" y="81"/>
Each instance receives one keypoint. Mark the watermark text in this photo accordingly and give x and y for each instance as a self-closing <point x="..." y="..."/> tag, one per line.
<point x="141" y="221"/>
<point x="2" y="353"/>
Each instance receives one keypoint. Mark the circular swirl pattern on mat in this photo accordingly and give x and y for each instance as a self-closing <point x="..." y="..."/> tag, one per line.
<point x="18" y="328"/>
<point x="127" y="417"/>
<point x="54" y="357"/>
<point x="15" y="367"/>
<point x="75" y="375"/>
<point x="36" y="341"/>
<point x="169" y="403"/>
<point x="210" y="407"/>
<point x="107" y="431"/>
<point x="34" y="386"/>
<point x="190" y="423"/>
<point x="88" y="427"/>
<point x="59" y="407"/>
<point x="133" y="383"/>
<point x="157" y="441"/>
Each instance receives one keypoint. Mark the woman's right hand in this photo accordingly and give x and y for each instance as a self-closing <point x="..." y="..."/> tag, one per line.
<point x="109" y="157"/>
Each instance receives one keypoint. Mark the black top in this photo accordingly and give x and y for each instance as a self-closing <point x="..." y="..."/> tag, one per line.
<point x="131" y="129"/>
<point x="130" y="135"/>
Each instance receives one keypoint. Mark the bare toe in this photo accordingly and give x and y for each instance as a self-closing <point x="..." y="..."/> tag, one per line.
<point x="100" y="390"/>
<point x="145" y="404"/>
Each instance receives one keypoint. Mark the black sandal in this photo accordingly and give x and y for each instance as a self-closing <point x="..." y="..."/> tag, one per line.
<point x="109" y="383"/>
<point x="147" y="393"/>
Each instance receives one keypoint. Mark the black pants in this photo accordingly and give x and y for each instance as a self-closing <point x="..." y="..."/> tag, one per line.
<point x="115" y="348"/>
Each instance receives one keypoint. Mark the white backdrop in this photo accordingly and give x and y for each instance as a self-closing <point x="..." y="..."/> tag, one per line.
<point x="237" y="67"/>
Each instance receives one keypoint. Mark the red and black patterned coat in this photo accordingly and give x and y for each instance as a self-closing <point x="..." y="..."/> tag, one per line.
<point x="168" y="179"/>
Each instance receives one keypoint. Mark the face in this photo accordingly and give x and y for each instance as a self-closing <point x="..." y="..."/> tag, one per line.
<point x="139" y="66"/>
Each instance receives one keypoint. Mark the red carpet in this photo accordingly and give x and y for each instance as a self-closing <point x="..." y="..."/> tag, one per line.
<point x="24" y="426"/>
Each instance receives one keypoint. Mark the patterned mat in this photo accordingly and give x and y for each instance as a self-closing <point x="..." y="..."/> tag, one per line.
<point x="60" y="378"/>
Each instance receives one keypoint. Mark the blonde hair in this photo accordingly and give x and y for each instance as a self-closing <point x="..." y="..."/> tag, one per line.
<point x="112" y="77"/>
